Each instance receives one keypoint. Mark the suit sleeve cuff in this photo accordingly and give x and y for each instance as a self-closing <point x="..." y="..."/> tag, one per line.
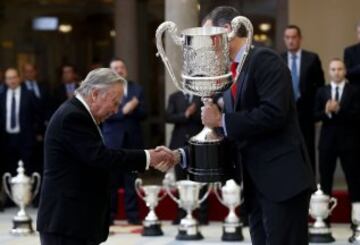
<point x="147" y="159"/>
<point x="183" y="160"/>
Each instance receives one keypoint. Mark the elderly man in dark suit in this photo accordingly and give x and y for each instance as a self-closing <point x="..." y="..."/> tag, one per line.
<point x="307" y="76"/>
<point x="260" y="117"/>
<point x="123" y="131"/>
<point x="352" y="60"/>
<point x="74" y="205"/>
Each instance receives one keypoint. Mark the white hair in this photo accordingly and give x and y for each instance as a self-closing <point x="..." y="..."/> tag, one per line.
<point x="100" y="78"/>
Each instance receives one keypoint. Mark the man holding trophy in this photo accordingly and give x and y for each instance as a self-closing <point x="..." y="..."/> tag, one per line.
<point x="260" y="119"/>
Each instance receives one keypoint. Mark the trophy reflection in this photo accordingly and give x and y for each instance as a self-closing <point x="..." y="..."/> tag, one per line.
<point x="231" y="198"/>
<point x="21" y="186"/>
<point x="151" y="224"/>
<point x="189" y="200"/>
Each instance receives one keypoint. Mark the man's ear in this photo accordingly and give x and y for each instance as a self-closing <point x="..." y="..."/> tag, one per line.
<point x="94" y="94"/>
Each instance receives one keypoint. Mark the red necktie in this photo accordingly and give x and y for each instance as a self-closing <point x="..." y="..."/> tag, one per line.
<point x="234" y="86"/>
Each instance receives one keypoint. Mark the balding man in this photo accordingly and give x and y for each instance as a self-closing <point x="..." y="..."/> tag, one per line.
<point x="74" y="205"/>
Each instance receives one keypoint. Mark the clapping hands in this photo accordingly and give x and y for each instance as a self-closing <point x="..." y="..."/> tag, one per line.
<point x="162" y="158"/>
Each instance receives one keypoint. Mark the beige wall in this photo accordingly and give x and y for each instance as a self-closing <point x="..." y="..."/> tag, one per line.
<point x="328" y="26"/>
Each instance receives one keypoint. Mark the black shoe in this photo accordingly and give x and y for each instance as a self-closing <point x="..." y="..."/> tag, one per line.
<point x="134" y="222"/>
<point x="176" y="221"/>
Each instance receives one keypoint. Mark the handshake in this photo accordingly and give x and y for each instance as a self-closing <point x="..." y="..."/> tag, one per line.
<point x="162" y="158"/>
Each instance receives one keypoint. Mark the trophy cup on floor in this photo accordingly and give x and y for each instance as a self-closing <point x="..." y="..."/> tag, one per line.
<point x="231" y="198"/>
<point x="189" y="200"/>
<point x="151" y="224"/>
<point x="319" y="231"/>
<point x="355" y="217"/>
<point x="21" y="186"/>
<point x="205" y="73"/>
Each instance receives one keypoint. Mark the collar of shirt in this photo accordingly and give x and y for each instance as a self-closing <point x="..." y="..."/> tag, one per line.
<point x="298" y="54"/>
<point x="81" y="99"/>
<point x="239" y="54"/>
<point x="340" y="85"/>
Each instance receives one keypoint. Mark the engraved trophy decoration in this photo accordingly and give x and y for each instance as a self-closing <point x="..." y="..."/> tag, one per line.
<point x="189" y="200"/>
<point x="21" y="186"/>
<point x="205" y="72"/>
<point x="319" y="232"/>
<point x="355" y="217"/>
<point x="151" y="224"/>
<point x="231" y="198"/>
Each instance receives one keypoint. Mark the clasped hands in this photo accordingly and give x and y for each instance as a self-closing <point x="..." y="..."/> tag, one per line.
<point x="162" y="158"/>
<point x="332" y="106"/>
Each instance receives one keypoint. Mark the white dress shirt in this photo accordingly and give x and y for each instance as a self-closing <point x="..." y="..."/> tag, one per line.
<point x="81" y="99"/>
<point x="9" y="96"/>
<point x="298" y="60"/>
<point x="341" y="86"/>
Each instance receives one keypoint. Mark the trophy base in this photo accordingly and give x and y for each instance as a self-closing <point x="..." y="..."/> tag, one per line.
<point x="184" y="236"/>
<point x="208" y="161"/>
<point x="232" y="233"/>
<point x="22" y="228"/>
<point x="321" y="238"/>
<point x="152" y="230"/>
<point x="355" y="238"/>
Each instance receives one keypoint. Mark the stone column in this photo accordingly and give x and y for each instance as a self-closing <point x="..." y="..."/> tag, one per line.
<point x="185" y="13"/>
<point x="126" y="39"/>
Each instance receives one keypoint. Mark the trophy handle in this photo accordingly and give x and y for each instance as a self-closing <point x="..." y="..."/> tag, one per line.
<point x="138" y="184"/>
<point x="235" y="26"/>
<point x="172" y="29"/>
<point x="217" y="186"/>
<point x="333" y="200"/>
<point x="206" y="194"/>
<point x="37" y="188"/>
<point x="166" y="183"/>
<point x="163" y="196"/>
<point x="7" y="176"/>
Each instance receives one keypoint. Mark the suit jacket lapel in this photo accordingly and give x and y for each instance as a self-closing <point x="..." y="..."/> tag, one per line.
<point x="228" y="101"/>
<point x="344" y="96"/>
<point x="302" y="70"/>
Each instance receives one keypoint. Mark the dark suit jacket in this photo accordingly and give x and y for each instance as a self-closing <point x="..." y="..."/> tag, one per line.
<point x="264" y="123"/>
<point x="124" y="131"/>
<point x="184" y="128"/>
<point x="75" y="192"/>
<point x="29" y="116"/>
<point x="311" y="78"/>
<point x="352" y="62"/>
<point x="340" y="132"/>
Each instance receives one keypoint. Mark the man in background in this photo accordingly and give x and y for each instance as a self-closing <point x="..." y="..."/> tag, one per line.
<point x="307" y="76"/>
<point x="352" y="60"/>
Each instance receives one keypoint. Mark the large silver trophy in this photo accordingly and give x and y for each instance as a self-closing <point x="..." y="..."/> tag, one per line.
<point x="205" y="72"/>
<point x="231" y="198"/>
<point x="355" y="217"/>
<point x="21" y="194"/>
<point x="151" y="224"/>
<point x="189" y="200"/>
<point x="321" y="206"/>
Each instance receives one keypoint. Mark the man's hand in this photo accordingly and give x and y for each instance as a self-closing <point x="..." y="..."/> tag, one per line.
<point x="190" y="110"/>
<point x="162" y="159"/>
<point x="211" y="115"/>
<point x="332" y="106"/>
<point x="130" y="106"/>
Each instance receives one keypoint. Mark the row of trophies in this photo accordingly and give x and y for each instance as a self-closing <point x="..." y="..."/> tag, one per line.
<point x="321" y="206"/>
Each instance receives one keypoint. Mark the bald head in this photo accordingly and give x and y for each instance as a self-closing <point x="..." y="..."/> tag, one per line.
<point x="12" y="78"/>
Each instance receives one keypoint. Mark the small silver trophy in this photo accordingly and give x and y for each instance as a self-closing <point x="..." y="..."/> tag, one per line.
<point x="151" y="224"/>
<point x="231" y="198"/>
<point x="206" y="72"/>
<point x="320" y="209"/>
<point x="355" y="217"/>
<point x="189" y="200"/>
<point x="21" y="186"/>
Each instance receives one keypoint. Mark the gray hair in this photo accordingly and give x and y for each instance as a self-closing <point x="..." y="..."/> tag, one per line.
<point x="100" y="78"/>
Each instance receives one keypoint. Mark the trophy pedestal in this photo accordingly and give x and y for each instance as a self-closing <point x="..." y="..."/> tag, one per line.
<point x="355" y="238"/>
<point x="208" y="161"/>
<point x="22" y="226"/>
<point x="232" y="232"/>
<point x="152" y="228"/>
<point x="189" y="230"/>
<point x="320" y="235"/>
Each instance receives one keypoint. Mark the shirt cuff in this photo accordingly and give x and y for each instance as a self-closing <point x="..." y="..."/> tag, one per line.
<point x="223" y="124"/>
<point x="329" y="115"/>
<point x="147" y="159"/>
<point x="183" y="161"/>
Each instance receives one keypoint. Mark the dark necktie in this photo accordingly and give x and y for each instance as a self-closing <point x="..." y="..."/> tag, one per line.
<point x="337" y="93"/>
<point x="234" y="85"/>
<point x="13" y="111"/>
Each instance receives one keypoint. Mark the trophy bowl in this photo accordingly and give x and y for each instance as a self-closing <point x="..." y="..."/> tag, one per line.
<point x="205" y="72"/>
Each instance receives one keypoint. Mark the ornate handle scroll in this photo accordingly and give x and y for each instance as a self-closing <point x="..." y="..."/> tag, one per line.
<point x="138" y="184"/>
<point x="37" y="188"/>
<point x="166" y="183"/>
<point x="172" y="29"/>
<point x="5" y="184"/>
<point x="236" y="23"/>
<point x="334" y="201"/>
<point x="206" y="194"/>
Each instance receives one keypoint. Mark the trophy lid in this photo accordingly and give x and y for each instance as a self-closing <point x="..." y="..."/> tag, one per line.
<point x="319" y="194"/>
<point x="20" y="178"/>
<point x="230" y="186"/>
